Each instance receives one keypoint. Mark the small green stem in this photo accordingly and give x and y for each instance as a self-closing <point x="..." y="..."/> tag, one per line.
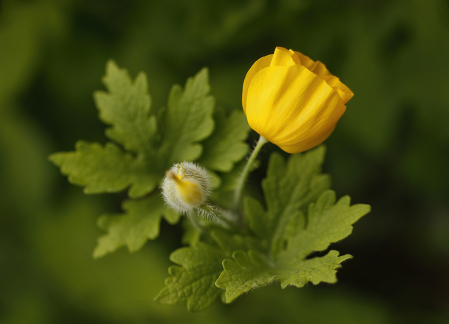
<point x="242" y="180"/>
<point x="195" y="222"/>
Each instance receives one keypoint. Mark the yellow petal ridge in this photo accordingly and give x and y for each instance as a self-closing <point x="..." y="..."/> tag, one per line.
<point x="320" y="69"/>
<point x="283" y="57"/>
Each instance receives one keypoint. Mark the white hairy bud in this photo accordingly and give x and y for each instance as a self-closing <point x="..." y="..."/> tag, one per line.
<point x="186" y="187"/>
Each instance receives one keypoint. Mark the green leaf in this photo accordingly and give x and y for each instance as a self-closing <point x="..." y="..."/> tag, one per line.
<point x="316" y="270"/>
<point x="201" y="265"/>
<point x="187" y="120"/>
<point x="246" y="272"/>
<point x="327" y="222"/>
<point x="152" y="145"/>
<point x="226" y="145"/>
<point x="230" y="242"/>
<point x="135" y="227"/>
<point x="127" y="108"/>
<point x="194" y="281"/>
<point x="290" y="189"/>
<point x="105" y="169"/>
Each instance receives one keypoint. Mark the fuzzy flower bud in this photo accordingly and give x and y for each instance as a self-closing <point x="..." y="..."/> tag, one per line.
<point x="186" y="187"/>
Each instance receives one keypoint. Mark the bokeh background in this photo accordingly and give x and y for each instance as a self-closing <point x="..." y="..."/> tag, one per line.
<point x="390" y="149"/>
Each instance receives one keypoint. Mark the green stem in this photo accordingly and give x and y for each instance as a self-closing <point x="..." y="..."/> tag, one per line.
<point x="195" y="222"/>
<point x="242" y="180"/>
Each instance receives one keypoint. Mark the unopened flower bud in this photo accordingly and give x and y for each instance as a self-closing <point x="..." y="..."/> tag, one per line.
<point x="186" y="187"/>
<point x="293" y="101"/>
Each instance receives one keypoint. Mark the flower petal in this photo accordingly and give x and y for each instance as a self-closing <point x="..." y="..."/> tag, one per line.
<point x="343" y="91"/>
<point x="320" y="69"/>
<point x="260" y="64"/>
<point x="307" y="144"/>
<point x="283" y="57"/>
<point x="316" y="67"/>
<point x="291" y="105"/>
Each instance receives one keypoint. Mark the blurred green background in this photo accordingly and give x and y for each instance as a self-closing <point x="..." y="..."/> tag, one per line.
<point x="390" y="149"/>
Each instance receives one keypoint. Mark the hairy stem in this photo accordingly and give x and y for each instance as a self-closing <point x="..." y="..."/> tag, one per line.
<point x="242" y="180"/>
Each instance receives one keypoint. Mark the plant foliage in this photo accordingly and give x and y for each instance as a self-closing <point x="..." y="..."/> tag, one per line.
<point x="302" y="217"/>
<point x="147" y="142"/>
<point x="299" y="215"/>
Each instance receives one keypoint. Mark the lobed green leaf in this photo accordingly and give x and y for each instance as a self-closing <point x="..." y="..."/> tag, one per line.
<point x="289" y="188"/>
<point x="316" y="270"/>
<point x="201" y="264"/>
<point x="252" y="270"/>
<point x="327" y="222"/>
<point x="293" y="226"/>
<point x="139" y="223"/>
<point x="126" y="107"/>
<point x="194" y="280"/>
<point x="152" y="146"/>
<point x="187" y="120"/>
<point x="226" y="145"/>
<point x="105" y="169"/>
<point x="246" y="272"/>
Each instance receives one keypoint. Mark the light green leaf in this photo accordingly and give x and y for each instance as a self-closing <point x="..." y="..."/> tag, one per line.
<point x="187" y="120"/>
<point x="127" y="108"/>
<point x="105" y="169"/>
<point x="246" y="272"/>
<point x="226" y="144"/>
<point x="201" y="265"/>
<point x="289" y="188"/>
<point x="151" y="148"/>
<point x="194" y="281"/>
<point x="230" y="242"/>
<point x="291" y="236"/>
<point x="135" y="227"/>
<point x="327" y="222"/>
<point x="316" y="270"/>
<point x="252" y="270"/>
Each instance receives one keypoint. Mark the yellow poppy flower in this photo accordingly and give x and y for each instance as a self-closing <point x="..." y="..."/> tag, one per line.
<point x="293" y="101"/>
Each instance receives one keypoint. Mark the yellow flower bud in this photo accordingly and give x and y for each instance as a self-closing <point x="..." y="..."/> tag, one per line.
<point x="186" y="187"/>
<point x="188" y="190"/>
<point x="293" y="101"/>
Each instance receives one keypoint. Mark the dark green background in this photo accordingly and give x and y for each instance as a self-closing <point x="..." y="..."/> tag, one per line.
<point x="390" y="149"/>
